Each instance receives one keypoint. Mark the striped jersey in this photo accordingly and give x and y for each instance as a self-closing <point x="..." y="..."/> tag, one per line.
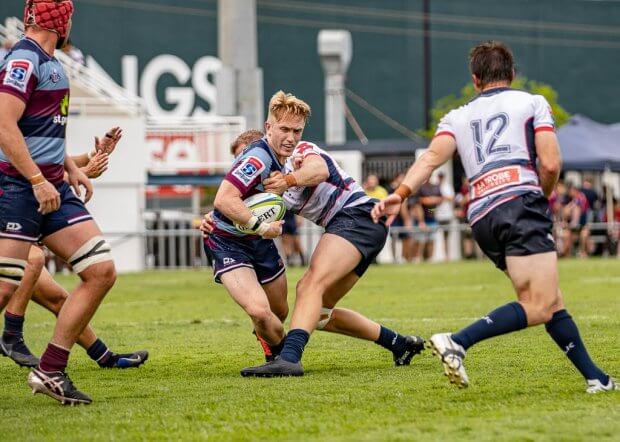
<point x="494" y="136"/>
<point x="39" y="80"/>
<point x="251" y="167"/>
<point x="319" y="204"/>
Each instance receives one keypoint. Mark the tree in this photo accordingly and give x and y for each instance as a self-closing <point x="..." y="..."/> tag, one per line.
<point x="446" y="104"/>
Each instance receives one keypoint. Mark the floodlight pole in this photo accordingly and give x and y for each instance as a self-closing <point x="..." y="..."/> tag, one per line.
<point x="335" y="50"/>
<point x="239" y="82"/>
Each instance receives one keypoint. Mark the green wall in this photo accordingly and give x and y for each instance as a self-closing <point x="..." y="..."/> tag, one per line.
<point x="574" y="45"/>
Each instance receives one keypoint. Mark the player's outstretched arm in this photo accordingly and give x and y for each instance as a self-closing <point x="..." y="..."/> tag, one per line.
<point x="441" y="149"/>
<point x="14" y="147"/>
<point x="312" y="172"/>
<point x="103" y="146"/>
<point x="549" y="160"/>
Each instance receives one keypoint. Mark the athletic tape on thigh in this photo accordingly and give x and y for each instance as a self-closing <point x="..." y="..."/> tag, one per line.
<point x="323" y="322"/>
<point x="95" y="250"/>
<point x="12" y="270"/>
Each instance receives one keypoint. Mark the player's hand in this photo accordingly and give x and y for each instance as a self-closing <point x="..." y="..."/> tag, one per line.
<point x="275" y="230"/>
<point x="47" y="196"/>
<point x="78" y="178"/>
<point x="108" y="143"/>
<point x="297" y="160"/>
<point x="389" y="206"/>
<point x="96" y="165"/>
<point x="275" y="183"/>
<point x="207" y="224"/>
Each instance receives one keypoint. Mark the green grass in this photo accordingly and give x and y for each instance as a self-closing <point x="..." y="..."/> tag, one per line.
<point x="522" y="387"/>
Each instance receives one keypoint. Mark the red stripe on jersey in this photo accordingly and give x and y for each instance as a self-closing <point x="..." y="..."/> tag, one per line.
<point x="544" y="129"/>
<point x="444" y="132"/>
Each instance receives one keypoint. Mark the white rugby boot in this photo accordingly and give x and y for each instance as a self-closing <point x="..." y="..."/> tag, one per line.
<point x="596" y="386"/>
<point x="451" y="355"/>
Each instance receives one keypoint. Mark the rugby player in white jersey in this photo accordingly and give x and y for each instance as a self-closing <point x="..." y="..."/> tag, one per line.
<point x="511" y="156"/>
<point x="316" y="188"/>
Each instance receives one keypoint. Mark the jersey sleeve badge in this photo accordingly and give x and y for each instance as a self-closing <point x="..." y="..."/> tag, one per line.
<point x="248" y="170"/>
<point x="18" y="73"/>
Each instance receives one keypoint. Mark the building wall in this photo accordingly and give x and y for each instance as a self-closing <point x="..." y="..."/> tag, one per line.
<point x="574" y="45"/>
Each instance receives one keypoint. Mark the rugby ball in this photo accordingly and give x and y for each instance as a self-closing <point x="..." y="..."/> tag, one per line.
<point x="268" y="207"/>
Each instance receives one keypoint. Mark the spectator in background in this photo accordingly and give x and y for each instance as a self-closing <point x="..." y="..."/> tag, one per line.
<point x="372" y="187"/>
<point x="430" y="199"/>
<point x="445" y="210"/>
<point x="576" y="214"/>
<point x="469" y="249"/>
<point x="402" y="221"/>
<point x="74" y="53"/>
<point x="290" y="239"/>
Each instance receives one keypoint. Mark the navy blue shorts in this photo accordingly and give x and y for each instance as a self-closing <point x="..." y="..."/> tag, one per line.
<point x="19" y="218"/>
<point x="290" y="224"/>
<point x="230" y="253"/>
<point x="355" y="225"/>
<point x="519" y="227"/>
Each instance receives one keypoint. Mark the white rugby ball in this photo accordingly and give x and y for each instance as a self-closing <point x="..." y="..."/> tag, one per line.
<point x="268" y="207"/>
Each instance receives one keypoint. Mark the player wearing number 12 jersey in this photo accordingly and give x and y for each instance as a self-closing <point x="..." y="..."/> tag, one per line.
<point x="511" y="156"/>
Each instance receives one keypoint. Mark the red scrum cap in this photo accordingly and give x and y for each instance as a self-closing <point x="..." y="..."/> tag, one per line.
<point x="52" y="15"/>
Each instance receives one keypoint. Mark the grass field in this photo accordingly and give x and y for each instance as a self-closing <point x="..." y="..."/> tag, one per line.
<point x="522" y="387"/>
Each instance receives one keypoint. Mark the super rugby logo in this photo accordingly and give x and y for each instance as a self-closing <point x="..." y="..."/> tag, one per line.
<point x="18" y="73"/>
<point x="248" y="170"/>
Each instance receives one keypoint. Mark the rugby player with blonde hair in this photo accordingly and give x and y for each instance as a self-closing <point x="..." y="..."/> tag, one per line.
<point x="249" y="265"/>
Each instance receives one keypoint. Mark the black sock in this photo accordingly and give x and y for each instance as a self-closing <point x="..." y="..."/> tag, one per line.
<point x="100" y="353"/>
<point x="13" y="326"/>
<point x="294" y="345"/>
<point x="391" y="340"/>
<point x="565" y="333"/>
<point x="508" y="318"/>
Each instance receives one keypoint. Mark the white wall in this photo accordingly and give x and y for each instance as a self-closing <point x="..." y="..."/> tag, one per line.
<point x="118" y="200"/>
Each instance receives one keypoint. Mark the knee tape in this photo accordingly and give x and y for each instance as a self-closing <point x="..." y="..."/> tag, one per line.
<point x="326" y="315"/>
<point x="94" y="251"/>
<point x="12" y="270"/>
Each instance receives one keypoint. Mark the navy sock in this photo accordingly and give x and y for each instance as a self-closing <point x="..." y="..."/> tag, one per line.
<point x="294" y="345"/>
<point x="13" y="326"/>
<point x="99" y="352"/>
<point x="565" y="333"/>
<point x="508" y="318"/>
<point x="391" y="340"/>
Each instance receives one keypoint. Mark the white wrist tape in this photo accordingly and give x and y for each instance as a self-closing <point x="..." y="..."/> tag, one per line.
<point x="251" y="222"/>
<point x="262" y="228"/>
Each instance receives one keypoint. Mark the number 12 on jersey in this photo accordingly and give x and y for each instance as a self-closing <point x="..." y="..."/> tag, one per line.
<point x="498" y="124"/>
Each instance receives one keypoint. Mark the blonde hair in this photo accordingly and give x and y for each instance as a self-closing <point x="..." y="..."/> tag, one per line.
<point x="245" y="138"/>
<point x="282" y="104"/>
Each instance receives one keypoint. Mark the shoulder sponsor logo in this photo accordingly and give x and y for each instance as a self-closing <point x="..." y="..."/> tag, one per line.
<point x="247" y="170"/>
<point x="18" y="73"/>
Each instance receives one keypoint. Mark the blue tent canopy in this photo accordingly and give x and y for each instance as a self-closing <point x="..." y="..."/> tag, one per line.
<point x="589" y="146"/>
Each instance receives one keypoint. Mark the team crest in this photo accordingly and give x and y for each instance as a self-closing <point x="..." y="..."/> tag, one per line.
<point x="248" y="170"/>
<point x="55" y="76"/>
<point x="18" y="73"/>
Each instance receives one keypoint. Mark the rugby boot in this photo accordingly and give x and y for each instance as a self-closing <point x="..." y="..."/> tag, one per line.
<point x="451" y="355"/>
<point x="415" y="346"/>
<point x="274" y="369"/>
<point x="125" y="360"/>
<point x="56" y="385"/>
<point x="595" y="386"/>
<point x="17" y="350"/>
